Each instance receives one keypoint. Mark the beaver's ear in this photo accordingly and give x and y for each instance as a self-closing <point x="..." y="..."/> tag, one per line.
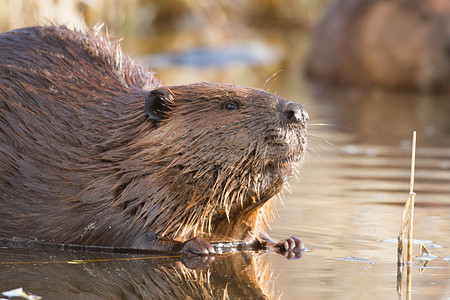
<point x="158" y="103"/>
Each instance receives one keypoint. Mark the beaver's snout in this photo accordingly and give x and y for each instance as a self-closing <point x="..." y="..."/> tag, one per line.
<point x="294" y="113"/>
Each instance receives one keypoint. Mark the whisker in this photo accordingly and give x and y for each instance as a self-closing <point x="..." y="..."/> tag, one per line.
<point x="296" y="171"/>
<point x="320" y="158"/>
<point x="328" y="125"/>
<point x="325" y="141"/>
<point x="316" y="150"/>
<point x="270" y="78"/>
<point x="327" y="133"/>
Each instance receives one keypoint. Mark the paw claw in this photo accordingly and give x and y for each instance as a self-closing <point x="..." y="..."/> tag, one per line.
<point x="291" y="248"/>
<point x="198" y="246"/>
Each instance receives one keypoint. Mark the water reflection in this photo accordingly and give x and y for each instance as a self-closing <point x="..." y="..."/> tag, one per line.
<point x="66" y="275"/>
<point x="386" y="118"/>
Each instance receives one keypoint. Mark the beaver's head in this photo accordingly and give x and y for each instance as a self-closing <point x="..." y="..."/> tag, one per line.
<point x="216" y="152"/>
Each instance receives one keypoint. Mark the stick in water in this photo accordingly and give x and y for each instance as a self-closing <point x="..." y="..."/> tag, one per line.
<point x="408" y="213"/>
<point x="411" y="196"/>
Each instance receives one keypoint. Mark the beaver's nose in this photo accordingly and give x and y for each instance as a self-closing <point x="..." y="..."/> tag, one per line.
<point x="295" y="113"/>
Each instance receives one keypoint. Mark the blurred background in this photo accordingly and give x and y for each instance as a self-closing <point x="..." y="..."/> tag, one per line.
<point x="368" y="72"/>
<point x="151" y="26"/>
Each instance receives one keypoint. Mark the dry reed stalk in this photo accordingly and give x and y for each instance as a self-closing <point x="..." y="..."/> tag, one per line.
<point x="407" y="224"/>
<point x="408" y="214"/>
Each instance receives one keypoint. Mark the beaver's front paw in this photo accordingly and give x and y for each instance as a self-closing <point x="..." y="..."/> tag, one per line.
<point x="197" y="246"/>
<point x="291" y="248"/>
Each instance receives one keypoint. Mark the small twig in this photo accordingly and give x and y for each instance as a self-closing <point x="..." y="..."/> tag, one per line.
<point x="407" y="224"/>
<point x="423" y="249"/>
<point x="411" y="197"/>
<point x="408" y="214"/>
<point x="413" y="163"/>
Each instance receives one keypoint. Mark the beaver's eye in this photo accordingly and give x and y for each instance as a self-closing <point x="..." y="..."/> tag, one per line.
<point x="231" y="106"/>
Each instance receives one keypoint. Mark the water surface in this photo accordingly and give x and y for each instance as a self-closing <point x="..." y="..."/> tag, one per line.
<point x="345" y="203"/>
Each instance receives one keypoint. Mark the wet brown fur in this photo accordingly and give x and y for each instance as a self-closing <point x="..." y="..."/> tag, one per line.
<point x="82" y="163"/>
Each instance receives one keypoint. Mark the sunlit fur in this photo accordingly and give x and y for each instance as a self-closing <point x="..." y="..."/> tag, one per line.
<point x="214" y="168"/>
<point x="82" y="163"/>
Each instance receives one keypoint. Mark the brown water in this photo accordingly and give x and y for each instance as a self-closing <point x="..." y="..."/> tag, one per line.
<point x="345" y="203"/>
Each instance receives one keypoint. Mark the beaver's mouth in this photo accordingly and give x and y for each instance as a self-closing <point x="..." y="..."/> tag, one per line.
<point x="285" y="146"/>
<point x="284" y="153"/>
<point x="282" y="169"/>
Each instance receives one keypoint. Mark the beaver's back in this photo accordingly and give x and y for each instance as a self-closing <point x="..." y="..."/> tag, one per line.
<point x="59" y="92"/>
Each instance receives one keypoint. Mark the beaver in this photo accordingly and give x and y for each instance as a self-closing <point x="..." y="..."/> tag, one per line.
<point x="95" y="151"/>
<point x="401" y="44"/>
